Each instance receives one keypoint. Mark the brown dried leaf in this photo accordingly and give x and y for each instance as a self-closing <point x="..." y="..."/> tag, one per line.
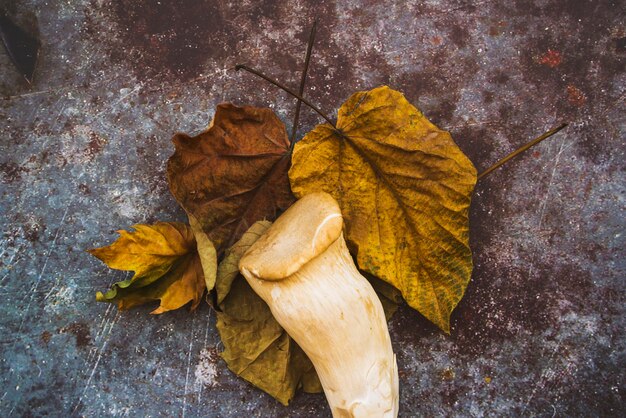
<point x="234" y="173"/>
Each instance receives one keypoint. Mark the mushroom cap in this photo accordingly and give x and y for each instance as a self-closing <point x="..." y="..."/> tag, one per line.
<point x="300" y="234"/>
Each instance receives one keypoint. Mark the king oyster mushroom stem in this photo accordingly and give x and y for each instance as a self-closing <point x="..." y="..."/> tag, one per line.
<point x="302" y="269"/>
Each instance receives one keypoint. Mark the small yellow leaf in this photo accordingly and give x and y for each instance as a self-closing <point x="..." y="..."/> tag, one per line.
<point x="166" y="263"/>
<point x="150" y="251"/>
<point x="187" y="285"/>
<point x="404" y="188"/>
<point x="206" y="251"/>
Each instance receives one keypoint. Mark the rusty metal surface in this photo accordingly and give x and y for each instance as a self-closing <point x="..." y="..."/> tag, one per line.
<point x="541" y="329"/>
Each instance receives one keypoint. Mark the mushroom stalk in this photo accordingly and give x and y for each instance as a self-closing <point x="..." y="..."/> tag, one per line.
<point x="302" y="269"/>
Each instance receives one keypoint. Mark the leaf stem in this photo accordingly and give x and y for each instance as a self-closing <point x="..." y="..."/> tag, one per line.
<point x="521" y="150"/>
<point x="307" y="60"/>
<point x="285" y="89"/>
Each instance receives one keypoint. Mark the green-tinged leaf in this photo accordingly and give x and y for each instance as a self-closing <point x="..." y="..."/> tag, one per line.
<point x="166" y="264"/>
<point x="228" y="268"/>
<point x="184" y="283"/>
<point x="256" y="347"/>
<point x="150" y="251"/>
<point x="404" y="188"/>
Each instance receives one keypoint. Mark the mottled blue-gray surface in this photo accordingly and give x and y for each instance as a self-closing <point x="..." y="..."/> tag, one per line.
<point x="541" y="329"/>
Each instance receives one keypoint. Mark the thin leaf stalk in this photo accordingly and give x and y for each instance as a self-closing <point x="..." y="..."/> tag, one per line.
<point x="307" y="61"/>
<point x="286" y="90"/>
<point x="521" y="150"/>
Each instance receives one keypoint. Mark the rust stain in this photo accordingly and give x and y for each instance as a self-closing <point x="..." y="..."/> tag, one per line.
<point x="171" y="37"/>
<point x="497" y="29"/>
<point x="551" y="58"/>
<point x="95" y="146"/>
<point x="575" y="96"/>
<point x="32" y="228"/>
<point x="447" y="374"/>
<point x="80" y="331"/>
<point x="84" y="189"/>
<point x="45" y="337"/>
<point x="11" y="172"/>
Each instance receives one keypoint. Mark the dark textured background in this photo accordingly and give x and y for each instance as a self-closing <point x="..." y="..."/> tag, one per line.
<point x="541" y="329"/>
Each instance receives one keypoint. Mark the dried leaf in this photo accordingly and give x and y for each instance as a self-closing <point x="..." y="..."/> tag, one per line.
<point x="256" y="347"/>
<point x="228" y="268"/>
<point x="22" y="47"/>
<point x="206" y="251"/>
<point x="183" y="284"/>
<point x="234" y="173"/>
<point x="166" y="264"/>
<point x="404" y="188"/>
<point x="389" y="296"/>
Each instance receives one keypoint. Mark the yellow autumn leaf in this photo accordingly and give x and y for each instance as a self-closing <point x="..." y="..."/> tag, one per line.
<point x="166" y="263"/>
<point x="404" y="188"/>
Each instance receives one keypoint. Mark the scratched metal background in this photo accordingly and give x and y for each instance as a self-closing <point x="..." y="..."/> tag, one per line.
<point x="82" y="153"/>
